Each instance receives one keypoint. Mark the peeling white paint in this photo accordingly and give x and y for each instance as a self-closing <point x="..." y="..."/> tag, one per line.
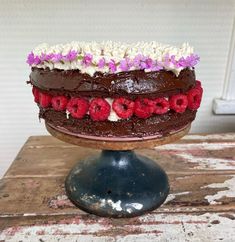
<point x="208" y="163"/>
<point x="227" y="136"/>
<point x="150" y="227"/>
<point x="172" y="196"/>
<point x="29" y="214"/>
<point x="136" y="206"/>
<point x="114" y="205"/>
<point x="182" y="177"/>
<point x="229" y="191"/>
<point x="129" y="210"/>
<point x="196" y="146"/>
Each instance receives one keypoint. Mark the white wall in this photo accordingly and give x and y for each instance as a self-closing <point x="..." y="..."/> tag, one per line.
<point x="205" y="24"/>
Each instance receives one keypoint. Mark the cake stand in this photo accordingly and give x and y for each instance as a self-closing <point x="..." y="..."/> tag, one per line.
<point x="117" y="183"/>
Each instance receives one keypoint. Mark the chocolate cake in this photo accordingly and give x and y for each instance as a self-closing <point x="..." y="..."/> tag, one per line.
<point x="115" y="91"/>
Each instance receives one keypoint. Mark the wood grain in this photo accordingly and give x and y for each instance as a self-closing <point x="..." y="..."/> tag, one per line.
<point x="200" y="207"/>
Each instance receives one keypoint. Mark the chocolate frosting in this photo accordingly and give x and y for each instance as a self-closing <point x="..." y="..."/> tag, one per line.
<point x="131" y="84"/>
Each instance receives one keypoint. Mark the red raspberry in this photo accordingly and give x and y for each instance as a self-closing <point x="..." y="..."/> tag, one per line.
<point x="161" y="105"/>
<point x="194" y="98"/>
<point x="78" y="107"/>
<point x="179" y="103"/>
<point x="123" y="107"/>
<point x="199" y="86"/>
<point x="198" y="83"/>
<point x="44" y="100"/>
<point x="59" y="103"/>
<point x="144" y="107"/>
<point x="99" y="109"/>
<point x="35" y="94"/>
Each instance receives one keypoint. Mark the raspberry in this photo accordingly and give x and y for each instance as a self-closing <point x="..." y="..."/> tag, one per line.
<point x="44" y="100"/>
<point x="78" y="107"/>
<point x="35" y="94"/>
<point x="161" y="105"/>
<point x="199" y="86"/>
<point x="99" y="109"/>
<point x="123" y="107"/>
<point x="144" y="107"/>
<point x="198" y="83"/>
<point x="179" y="103"/>
<point x="59" y="103"/>
<point x="194" y="98"/>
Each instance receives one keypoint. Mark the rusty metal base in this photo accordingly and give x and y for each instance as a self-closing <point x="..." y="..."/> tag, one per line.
<point x="117" y="184"/>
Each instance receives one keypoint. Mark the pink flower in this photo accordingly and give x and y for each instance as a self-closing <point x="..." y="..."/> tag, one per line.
<point x="30" y="58"/>
<point x="112" y="66"/>
<point x="166" y="60"/>
<point x="192" y="60"/>
<point x="157" y="66"/>
<point x="87" y="59"/>
<point x="149" y="63"/>
<point x="48" y="57"/>
<point x="101" y="63"/>
<point x="126" y="64"/>
<point x="72" y="55"/>
<point x="57" y="57"/>
<point x="137" y="61"/>
<point x="142" y="62"/>
<point x="45" y="57"/>
<point x="174" y="61"/>
<point x="37" y="60"/>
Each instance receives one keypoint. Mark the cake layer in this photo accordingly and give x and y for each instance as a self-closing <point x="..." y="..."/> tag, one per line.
<point x="131" y="84"/>
<point x="134" y="127"/>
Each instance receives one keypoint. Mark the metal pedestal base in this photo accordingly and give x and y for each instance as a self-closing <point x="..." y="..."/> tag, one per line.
<point x="117" y="184"/>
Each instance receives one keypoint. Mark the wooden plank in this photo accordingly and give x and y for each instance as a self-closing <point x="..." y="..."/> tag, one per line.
<point x="153" y="227"/>
<point x="36" y="196"/>
<point x="189" y="155"/>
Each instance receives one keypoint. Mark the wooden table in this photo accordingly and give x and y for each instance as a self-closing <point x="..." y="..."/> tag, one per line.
<point x="200" y="207"/>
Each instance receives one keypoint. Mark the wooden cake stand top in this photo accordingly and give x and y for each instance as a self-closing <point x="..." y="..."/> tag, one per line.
<point x="116" y="145"/>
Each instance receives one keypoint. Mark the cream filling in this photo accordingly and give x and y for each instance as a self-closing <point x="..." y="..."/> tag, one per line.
<point x="112" y="116"/>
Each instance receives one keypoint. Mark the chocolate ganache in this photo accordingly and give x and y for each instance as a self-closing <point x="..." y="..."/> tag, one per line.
<point x="131" y="84"/>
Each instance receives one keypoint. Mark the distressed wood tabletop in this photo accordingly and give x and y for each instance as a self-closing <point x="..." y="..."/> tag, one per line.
<point x="200" y="206"/>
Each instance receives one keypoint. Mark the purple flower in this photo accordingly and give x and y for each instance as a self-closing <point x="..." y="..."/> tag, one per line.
<point x="166" y="60"/>
<point x="42" y="57"/>
<point x="149" y="63"/>
<point x="126" y="64"/>
<point x="48" y="57"/>
<point x="45" y="57"/>
<point x="101" y="63"/>
<point x="189" y="61"/>
<point x="157" y="66"/>
<point x="87" y="59"/>
<point x="174" y="61"/>
<point x="137" y="61"/>
<point x="182" y="62"/>
<point x="142" y="62"/>
<point x="30" y="58"/>
<point x="57" y="57"/>
<point x="37" y="60"/>
<point x="192" y="60"/>
<point x="112" y="66"/>
<point x="72" y="55"/>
